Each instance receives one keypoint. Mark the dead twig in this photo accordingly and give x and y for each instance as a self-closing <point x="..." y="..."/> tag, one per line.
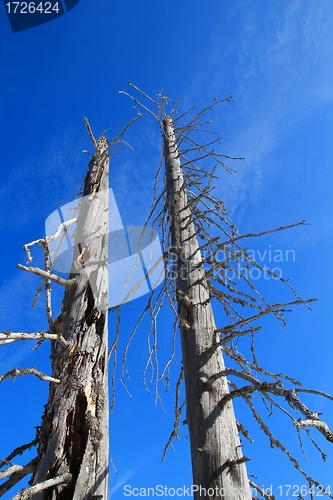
<point x="91" y="135"/>
<point x="25" y="494"/>
<point x="7" y="337"/>
<point x="28" y="371"/>
<point x="47" y="275"/>
<point x="18" y="451"/>
<point x="17" y="472"/>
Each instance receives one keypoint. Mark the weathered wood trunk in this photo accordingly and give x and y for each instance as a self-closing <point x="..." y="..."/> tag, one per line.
<point x="218" y="466"/>
<point x="74" y="439"/>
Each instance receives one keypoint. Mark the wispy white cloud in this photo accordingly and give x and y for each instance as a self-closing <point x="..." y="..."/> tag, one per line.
<point x="124" y="479"/>
<point x="121" y="482"/>
<point x="279" y="67"/>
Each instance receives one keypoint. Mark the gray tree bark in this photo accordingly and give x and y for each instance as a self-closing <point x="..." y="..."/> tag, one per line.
<point x="218" y="466"/>
<point x="74" y="439"/>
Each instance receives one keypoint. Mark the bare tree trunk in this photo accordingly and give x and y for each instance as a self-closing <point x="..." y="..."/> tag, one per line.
<point x="218" y="466"/>
<point x="74" y="439"/>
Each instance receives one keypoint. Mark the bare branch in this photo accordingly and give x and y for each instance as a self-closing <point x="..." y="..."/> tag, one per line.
<point x="91" y="135"/>
<point x="143" y="93"/>
<point x="63" y="226"/>
<point x="276" y="388"/>
<point x="45" y="274"/>
<point x="18" y="451"/>
<point x="7" y="337"/>
<point x="38" y="291"/>
<point x="278" y="444"/>
<point x="314" y="391"/>
<point x="318" y="424"/>
<point x="28" y="371"/>
<point x="228" y="338"/>
<point x="114" y="350"/>
<point x="244" y="432"/>
<point x="271" y="309"/>
<point x="17" y="472"/>
<point x="267" y="231"/>
<point x="116" y="139"/>
<point x="139" y="103"/>
<point x="25" y="494"/>
<point x="178" y="412"/>
<point x="48" y="289"/>
<point x="17" y="468"/>
<point x="261" y="491"/>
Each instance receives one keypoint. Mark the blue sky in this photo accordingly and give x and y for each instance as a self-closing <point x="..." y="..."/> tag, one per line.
<point x="276" y="60"/>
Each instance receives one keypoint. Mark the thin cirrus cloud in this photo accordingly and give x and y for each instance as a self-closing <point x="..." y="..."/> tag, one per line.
<point x="279" y="68"/>
<point x="124" y="478"/>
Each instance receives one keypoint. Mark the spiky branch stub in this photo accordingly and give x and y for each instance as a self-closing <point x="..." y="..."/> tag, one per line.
<point x="227" y="279"/>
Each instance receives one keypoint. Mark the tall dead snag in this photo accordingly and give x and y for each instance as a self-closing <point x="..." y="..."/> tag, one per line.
<point x="207" y="263"/>
<point x="73" y="438"/>
<point x="217" y="460"/>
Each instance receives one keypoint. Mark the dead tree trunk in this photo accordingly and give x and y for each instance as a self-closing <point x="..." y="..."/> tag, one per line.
<point x="74" y="440"/>
<point x="218" y="466"/>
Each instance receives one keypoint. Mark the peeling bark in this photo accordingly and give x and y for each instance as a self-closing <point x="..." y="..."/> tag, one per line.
<point x="73" y="437"/>
<point x="217" y="462"/>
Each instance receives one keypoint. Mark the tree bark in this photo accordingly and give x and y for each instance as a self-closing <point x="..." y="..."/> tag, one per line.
<point x="74" y="435"/>
<point x="218" y="465"/>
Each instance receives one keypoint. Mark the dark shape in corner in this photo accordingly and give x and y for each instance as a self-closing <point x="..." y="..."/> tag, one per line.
<point x="70" y="4"/>
<point x="22" y="16"/>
